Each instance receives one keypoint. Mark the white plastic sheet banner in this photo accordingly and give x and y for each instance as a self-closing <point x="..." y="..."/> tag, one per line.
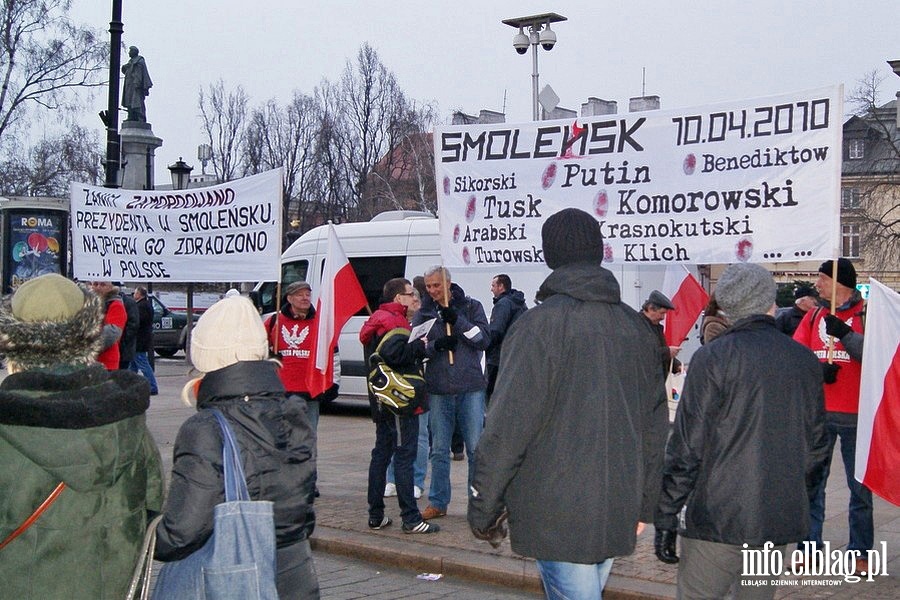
<point x="227" y="232"/>
<point x="753" y="181"/>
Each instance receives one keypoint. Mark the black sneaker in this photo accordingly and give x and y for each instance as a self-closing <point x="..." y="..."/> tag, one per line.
<point x="421" y="527"/>
<point x="379" y="523"/>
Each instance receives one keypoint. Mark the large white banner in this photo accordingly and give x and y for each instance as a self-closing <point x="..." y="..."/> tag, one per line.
<point x="754" y="181"/>
<point x="227" y="232"/>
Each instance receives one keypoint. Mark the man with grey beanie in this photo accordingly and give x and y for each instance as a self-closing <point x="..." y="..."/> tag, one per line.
<point x="748" y="437"/>
<point x="578" y="405"/>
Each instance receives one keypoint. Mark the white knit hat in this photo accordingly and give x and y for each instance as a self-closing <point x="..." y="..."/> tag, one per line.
<point x="229" y="331"/>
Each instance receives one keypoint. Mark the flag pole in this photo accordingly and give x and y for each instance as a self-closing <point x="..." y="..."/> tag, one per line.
<point x="447" y="304"/>
<point x="834" y="269"/>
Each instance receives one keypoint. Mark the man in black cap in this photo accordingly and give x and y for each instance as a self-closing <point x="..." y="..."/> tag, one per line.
<point x="578" y="405"/>
<point x="842" y="326"/>
<point x="654" y="310"/>
<point x="787" y="319"/>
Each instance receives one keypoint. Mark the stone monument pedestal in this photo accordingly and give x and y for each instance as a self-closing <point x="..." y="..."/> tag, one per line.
<point x="138" y="149"/>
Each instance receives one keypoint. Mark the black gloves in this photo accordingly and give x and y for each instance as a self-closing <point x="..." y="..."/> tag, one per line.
<point x="494" y="534"/>
<point x="835" y="327"/>
<point x="448" y="315"/>
<point x="446" y="343"/>
<point x="829" y="372"/>
<point x="664" y="545"/>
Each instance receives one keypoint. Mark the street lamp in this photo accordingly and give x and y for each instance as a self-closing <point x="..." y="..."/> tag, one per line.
<point x="181" y="174"/>
<point x="539" y="32"/>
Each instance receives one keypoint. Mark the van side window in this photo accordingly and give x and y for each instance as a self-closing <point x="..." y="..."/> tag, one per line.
<point x="290" y="272"/>
<point x="373" y="272"/>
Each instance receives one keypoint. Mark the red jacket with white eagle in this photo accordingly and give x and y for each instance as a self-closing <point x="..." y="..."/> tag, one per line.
<point x="842" y="395"/>
<point x="293" y="340"/>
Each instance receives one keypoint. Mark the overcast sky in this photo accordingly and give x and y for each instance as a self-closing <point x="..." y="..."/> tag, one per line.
<point x="458" y="55"/>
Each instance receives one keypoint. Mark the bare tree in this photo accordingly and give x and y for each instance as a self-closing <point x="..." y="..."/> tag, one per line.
<point x="43" y="57"/>
<point x="224" y="116"/>
<point x="47" y="167"/>
<point x="871" y="175"/>
<point x="286" y="137"/>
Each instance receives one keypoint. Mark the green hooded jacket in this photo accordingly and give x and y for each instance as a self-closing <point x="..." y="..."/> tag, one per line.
<point x="86" y="427"/>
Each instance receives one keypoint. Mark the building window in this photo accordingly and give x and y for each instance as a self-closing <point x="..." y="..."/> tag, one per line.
<point x="856" y="149"/>
<point x="850" y="198"/>
<point x="850" y="240"/>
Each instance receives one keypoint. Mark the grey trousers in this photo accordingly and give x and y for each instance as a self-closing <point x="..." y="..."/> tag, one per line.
<point x="296" y="578"/>
<point x="712" y="571"/>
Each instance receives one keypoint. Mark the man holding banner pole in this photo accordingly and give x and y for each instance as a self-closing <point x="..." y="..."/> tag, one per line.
<point x="835" y="333"/>
<point x="456" y="387"/>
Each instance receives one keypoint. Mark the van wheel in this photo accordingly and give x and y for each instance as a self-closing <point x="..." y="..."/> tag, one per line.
<point x="165" y="353"/>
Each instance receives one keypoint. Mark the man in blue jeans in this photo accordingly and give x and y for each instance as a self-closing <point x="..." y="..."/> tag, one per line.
<point x="572" y="447"/>
<point x="144" y="346"/>
<point x="835" y="334"/>
<point x="455" y="381"/>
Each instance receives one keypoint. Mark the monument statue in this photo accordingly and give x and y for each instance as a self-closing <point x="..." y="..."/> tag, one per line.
<point x="137" y="86"/>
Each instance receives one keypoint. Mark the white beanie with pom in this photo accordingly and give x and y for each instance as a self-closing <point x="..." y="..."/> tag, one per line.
<point x="228" y="332"/>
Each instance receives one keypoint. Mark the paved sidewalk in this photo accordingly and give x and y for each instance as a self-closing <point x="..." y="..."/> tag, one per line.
<point x="345" y="443"/>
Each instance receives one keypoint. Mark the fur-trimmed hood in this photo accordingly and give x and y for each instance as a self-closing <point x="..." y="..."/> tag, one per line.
<point x="32" y="345"/>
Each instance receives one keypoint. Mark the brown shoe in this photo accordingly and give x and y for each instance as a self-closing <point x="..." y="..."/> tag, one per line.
<point x="432" y="513"/>
<point x="862" y="566"/>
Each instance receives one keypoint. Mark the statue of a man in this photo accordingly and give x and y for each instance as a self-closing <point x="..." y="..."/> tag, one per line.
<point x="137" y="86"/>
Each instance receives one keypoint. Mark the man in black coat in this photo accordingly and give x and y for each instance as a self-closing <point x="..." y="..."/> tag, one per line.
<point x="144" y="339"/>
<point x="749" y="437"/>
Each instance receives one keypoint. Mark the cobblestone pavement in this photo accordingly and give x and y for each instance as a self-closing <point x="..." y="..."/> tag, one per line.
<point x="342" y="578"/>
<point x="346" y="436"/>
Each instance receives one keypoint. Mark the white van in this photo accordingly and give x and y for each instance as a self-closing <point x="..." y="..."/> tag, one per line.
<point x="405" y="244"/>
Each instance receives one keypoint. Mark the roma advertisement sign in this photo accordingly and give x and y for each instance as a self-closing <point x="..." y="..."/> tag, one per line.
<point x="753" y="181"/>
<point x="227" y="232"/>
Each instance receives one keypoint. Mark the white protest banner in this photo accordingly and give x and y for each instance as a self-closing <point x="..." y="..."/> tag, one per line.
<point x="753" y="181"/>
<point x="227" y="232"/>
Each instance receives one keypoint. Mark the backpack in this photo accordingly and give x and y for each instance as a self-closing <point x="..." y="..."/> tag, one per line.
<point x="400" y="391"/>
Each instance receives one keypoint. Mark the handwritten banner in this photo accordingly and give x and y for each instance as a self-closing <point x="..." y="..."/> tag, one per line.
<point x="227" y="232"/>
<point x="753" y="181"/>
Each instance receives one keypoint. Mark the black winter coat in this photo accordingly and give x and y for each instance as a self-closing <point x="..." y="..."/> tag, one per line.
<point x="276" y="443"/>
<point x="748" y="433"/>
<point x="508" y="307"/>
<point x="574" y="437"/>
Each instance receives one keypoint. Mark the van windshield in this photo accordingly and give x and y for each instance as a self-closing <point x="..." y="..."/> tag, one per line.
<point x="290" y="272"/>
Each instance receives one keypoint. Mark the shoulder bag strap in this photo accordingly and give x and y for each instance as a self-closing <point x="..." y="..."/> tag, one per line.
<point x="235" y="482"/>
<point x="34" y="516"/>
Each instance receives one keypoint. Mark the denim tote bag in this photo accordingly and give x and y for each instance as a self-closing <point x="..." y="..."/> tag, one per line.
<point x="237" y="562"/>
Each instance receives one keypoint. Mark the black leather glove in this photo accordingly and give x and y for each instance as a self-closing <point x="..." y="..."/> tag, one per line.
<point x="834" y="326"/>
<point x="494" y="534"/>
<point x="829" y="372"/>
<point x="664" y="545"/>
<point x="448" y="315"/>
<point x="446" y="343"/>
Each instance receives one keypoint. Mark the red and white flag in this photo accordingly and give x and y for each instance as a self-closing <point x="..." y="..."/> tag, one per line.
<point x="340" y="296"/>
<point x="689" y="299"/>
<point x="878" y="424"/>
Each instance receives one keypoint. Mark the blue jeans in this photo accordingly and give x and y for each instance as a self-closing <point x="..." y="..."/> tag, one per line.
<point x="397" y="437"/>
<point x="448" y="411"/>
<point x="862" y="529"/>
<point x="420" y="467"/>
<point x="574" y="581"/>
<point x="141" y="364"/>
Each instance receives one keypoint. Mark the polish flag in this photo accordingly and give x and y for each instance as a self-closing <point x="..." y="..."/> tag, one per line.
<point x="689" y="299"/>
<point x="878" y="424"/>
<point x="340" y="296"/>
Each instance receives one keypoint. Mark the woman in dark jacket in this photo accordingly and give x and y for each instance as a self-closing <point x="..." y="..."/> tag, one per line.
<point x="275" y="439"/>
<point x="65" y="419"/>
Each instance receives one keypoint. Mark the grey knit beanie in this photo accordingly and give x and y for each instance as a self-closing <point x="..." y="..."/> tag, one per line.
<point x="571" y="236"/>
<point x="745" y="289"/>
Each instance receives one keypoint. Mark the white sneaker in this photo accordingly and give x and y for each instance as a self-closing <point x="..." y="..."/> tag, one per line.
<point x="390" y="490"/>
<point x="417" y="492"/>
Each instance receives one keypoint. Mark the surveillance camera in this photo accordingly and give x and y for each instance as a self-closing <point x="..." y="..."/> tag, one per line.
<point x="548" y="38"/>
<point x="520" y="42"/>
